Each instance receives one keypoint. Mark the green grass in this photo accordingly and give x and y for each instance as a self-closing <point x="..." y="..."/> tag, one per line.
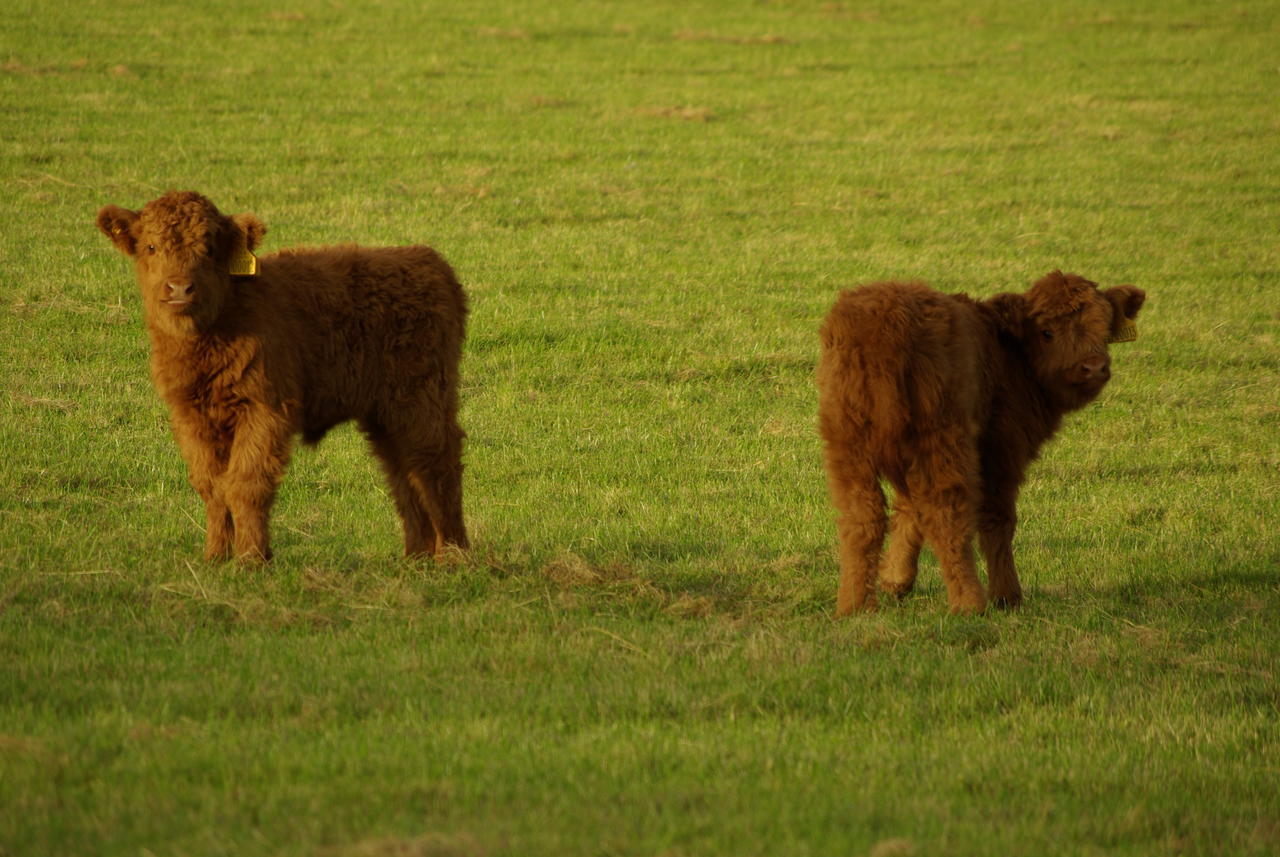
<point x="652" y="206"/>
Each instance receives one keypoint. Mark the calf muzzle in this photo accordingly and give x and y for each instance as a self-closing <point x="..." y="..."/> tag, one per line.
<point x="180" y="293"/>
<point x="1095" y="369"/>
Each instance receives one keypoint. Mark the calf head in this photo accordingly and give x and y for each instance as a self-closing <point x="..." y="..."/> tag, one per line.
<point x="183" y="251"/>
<point x="1064" y="324"/>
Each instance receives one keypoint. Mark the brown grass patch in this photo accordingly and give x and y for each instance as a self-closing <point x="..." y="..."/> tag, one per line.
<point x="548" y="101"/>
<point x="194" y="600"/>
<point x="892" y="848"/>
<point x="427" y="845"/>
<point x="570" y="570"/>
<point x="839" y="10"/>
<point x="16" y="66"/>
<point x="688" y="113"/>
<point x="688" y="606"/>
<point x="468" y="191"/>
<point x="703" y="36"/>
<point x="22" y="745"/>
<point x="513" y="33"/>
<point x="65" y="406"/>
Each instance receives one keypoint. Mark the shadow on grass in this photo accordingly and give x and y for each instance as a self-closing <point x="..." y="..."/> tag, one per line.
<point x="684" y="578"/>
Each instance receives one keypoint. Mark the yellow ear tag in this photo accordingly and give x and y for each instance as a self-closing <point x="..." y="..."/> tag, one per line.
<point x="1128" y="331"/>
<point x="242" y="263"/>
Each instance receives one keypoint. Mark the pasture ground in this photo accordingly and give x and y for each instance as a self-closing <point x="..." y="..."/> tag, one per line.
<point x="652" y="206"/>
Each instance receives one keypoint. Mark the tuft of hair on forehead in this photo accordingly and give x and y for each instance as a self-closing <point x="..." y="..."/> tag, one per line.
<point x="182" y="218"/>
<point x="1057" y="294"/>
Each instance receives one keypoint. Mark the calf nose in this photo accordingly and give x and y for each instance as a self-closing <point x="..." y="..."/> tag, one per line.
<point x="180" y="291"/>
<point x="1097" y="366"/>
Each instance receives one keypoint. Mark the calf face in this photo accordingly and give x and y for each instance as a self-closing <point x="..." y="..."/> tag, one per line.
<point x="183" y="251"/>
<point x="1065" y="324"/>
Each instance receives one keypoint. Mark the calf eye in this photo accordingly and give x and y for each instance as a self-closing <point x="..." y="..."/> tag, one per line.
<point x="151" y="248"/>
<point x="1047" y="334"/>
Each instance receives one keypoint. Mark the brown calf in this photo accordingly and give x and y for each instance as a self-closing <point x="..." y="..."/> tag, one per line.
<point x="248" y="353"/>
<point x="949" y="400"/>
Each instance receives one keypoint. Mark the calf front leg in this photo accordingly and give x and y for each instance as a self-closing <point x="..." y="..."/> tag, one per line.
<point x="219" y="530"/>
<point x="206" y="461"/>
<point x="996" y="524"/>
<point x="259" y="454"/>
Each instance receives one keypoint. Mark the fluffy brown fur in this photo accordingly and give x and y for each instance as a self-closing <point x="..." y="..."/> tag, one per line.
<point x="949" y="400"/>
<point x="318" y="337"/>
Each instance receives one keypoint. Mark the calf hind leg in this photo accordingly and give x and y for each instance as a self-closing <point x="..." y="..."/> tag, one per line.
<point x="901" y="563"/>
<point x="943" y="499"/>
<point x="859" y="503"/>
<point x="436" y="474"/>
<point x="419" y="533"/>
<point x="996" y="524"/>
<point x="426" y="476"/>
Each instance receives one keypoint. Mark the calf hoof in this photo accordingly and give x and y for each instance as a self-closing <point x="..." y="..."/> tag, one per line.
<point x="868" y="605"/>
<point x="254" y="557"/>
<point x="970" y="603"/>
<point x="443" y="554"/>
<point x="452" y="554"/>
<point x="1007" y="600"/>
<point x="217" y="554"/>
<point x="898" y="589"/>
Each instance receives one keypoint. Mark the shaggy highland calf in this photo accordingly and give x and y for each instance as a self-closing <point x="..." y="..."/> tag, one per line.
<point x="247" y="353"/>
<point x="949" y="400"/>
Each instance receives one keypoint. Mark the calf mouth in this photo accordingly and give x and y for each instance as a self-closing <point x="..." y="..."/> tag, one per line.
<point x="1092" y="386"/>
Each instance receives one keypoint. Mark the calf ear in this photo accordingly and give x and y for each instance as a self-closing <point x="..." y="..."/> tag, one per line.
<point x="1055" y="279"/>
<point x="117" y="224"/>
<point x="1011" y="312"/>
<point x="1126" y="300"/>
<point x="252" y="227"/>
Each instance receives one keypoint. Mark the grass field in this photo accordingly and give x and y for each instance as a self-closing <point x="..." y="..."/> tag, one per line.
<point x="652" y="205"/>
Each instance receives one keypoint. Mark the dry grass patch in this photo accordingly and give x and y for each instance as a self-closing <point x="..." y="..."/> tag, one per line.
<point x="65" y="406"/>
<point x="510" y="33"/>
<point x="427" y="845"/>
<point x="703" y="36"/>
<point x="687" y="113"/>
<point x="463" y="191"/>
